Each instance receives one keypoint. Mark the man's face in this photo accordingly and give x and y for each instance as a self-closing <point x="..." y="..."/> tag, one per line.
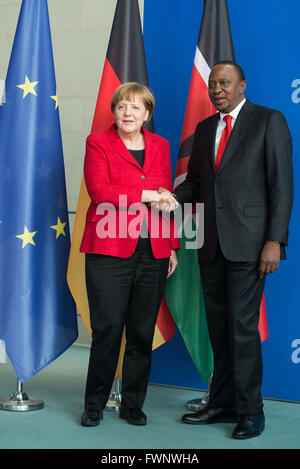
<point x="225" y="88"/>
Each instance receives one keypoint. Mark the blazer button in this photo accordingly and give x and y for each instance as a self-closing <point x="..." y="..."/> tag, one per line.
<point x="143" y="176"/>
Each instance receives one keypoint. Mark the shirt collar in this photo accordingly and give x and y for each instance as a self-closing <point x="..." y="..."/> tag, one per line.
<point x="234" y="113"/>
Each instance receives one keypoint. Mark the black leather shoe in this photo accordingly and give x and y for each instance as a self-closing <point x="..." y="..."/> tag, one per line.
<point x="249" y="426"/>
<point x="133" y="416"/>
<point x="209" y="415"/>
<point x="91" y="419"/>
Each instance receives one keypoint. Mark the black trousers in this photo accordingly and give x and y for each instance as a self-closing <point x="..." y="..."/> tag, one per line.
<point x="233" y="293"/>
<point x="122" y="292"/>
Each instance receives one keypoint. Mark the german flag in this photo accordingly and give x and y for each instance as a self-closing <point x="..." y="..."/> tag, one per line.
<point x="125" y="61"/>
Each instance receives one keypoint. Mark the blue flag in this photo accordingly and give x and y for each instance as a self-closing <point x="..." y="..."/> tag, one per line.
<point x="37" y="314"/>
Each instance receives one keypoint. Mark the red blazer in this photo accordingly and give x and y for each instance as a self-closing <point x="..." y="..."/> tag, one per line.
<point x="115" y="182"/>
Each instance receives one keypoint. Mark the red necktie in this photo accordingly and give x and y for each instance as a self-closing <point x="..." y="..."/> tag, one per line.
<point x="224" y="139"/>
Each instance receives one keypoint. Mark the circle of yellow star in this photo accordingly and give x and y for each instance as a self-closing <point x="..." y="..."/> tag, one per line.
<point x="27" y="237"/>
<point x="59" y="228"/>
<point x="28" y="87"/>
<point x="55" y="98"/>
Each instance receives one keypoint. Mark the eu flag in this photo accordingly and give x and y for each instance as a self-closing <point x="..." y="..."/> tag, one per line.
<point x="37" y="314"/>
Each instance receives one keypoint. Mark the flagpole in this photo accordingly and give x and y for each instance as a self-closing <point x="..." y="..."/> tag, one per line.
<point x="114" y="401"/>
<point x="20" y="402"/>
<point x="197" y="404"/>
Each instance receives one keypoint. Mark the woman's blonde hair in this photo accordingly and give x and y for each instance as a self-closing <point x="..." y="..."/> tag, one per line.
<point x="130" y="89"/>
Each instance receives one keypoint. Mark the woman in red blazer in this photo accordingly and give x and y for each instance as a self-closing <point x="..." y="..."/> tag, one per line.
<point x="130" y="250"/>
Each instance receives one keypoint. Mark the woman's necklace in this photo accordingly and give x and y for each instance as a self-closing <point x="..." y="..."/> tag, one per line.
<point x="137" y="143"/>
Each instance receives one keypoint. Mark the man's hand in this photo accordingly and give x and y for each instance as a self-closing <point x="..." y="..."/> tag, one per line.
<point x="269" y="258"/>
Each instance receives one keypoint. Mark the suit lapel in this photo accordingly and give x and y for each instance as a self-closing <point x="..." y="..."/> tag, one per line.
<point x="150" y="149"/>
<point x="239" y="130"/>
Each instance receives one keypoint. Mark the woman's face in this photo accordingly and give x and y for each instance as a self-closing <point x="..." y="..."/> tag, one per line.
<point x="130" y="115"/>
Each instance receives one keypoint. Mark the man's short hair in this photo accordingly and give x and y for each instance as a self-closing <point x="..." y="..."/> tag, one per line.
<point x="238" y="68"/>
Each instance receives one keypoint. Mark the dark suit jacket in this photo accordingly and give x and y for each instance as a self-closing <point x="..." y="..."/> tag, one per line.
<point x="249" y="199"/>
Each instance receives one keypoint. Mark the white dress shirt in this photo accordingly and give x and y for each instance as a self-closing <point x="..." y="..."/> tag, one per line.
<point x="221" y="124"/>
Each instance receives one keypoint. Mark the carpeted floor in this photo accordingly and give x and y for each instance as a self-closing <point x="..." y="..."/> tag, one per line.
<point x="57" y="425"/>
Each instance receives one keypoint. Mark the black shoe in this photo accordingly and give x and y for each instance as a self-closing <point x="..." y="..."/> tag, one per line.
<point x="133" y="416"/>
<point x="91" y="419"/>
<point x="209" y="415"/>
<point x="249" y="426"/>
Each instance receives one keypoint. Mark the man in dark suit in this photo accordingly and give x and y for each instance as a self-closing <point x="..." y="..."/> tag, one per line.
<point x="241" y="169"/>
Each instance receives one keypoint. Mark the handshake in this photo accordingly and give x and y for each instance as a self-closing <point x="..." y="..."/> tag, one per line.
<point x="161" y="199"/>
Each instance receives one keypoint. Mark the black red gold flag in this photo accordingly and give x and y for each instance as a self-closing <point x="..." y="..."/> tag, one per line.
<point x="125" y="61"/>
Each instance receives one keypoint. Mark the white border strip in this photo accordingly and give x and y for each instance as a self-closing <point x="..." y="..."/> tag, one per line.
<point x="179" y="180"/>
<point x="202" y="65"/>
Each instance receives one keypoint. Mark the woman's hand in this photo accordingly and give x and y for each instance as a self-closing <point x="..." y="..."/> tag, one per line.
<point x="173" y="262"/>
<point x="150" y="197"/>
<point x="164" y="200"/>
